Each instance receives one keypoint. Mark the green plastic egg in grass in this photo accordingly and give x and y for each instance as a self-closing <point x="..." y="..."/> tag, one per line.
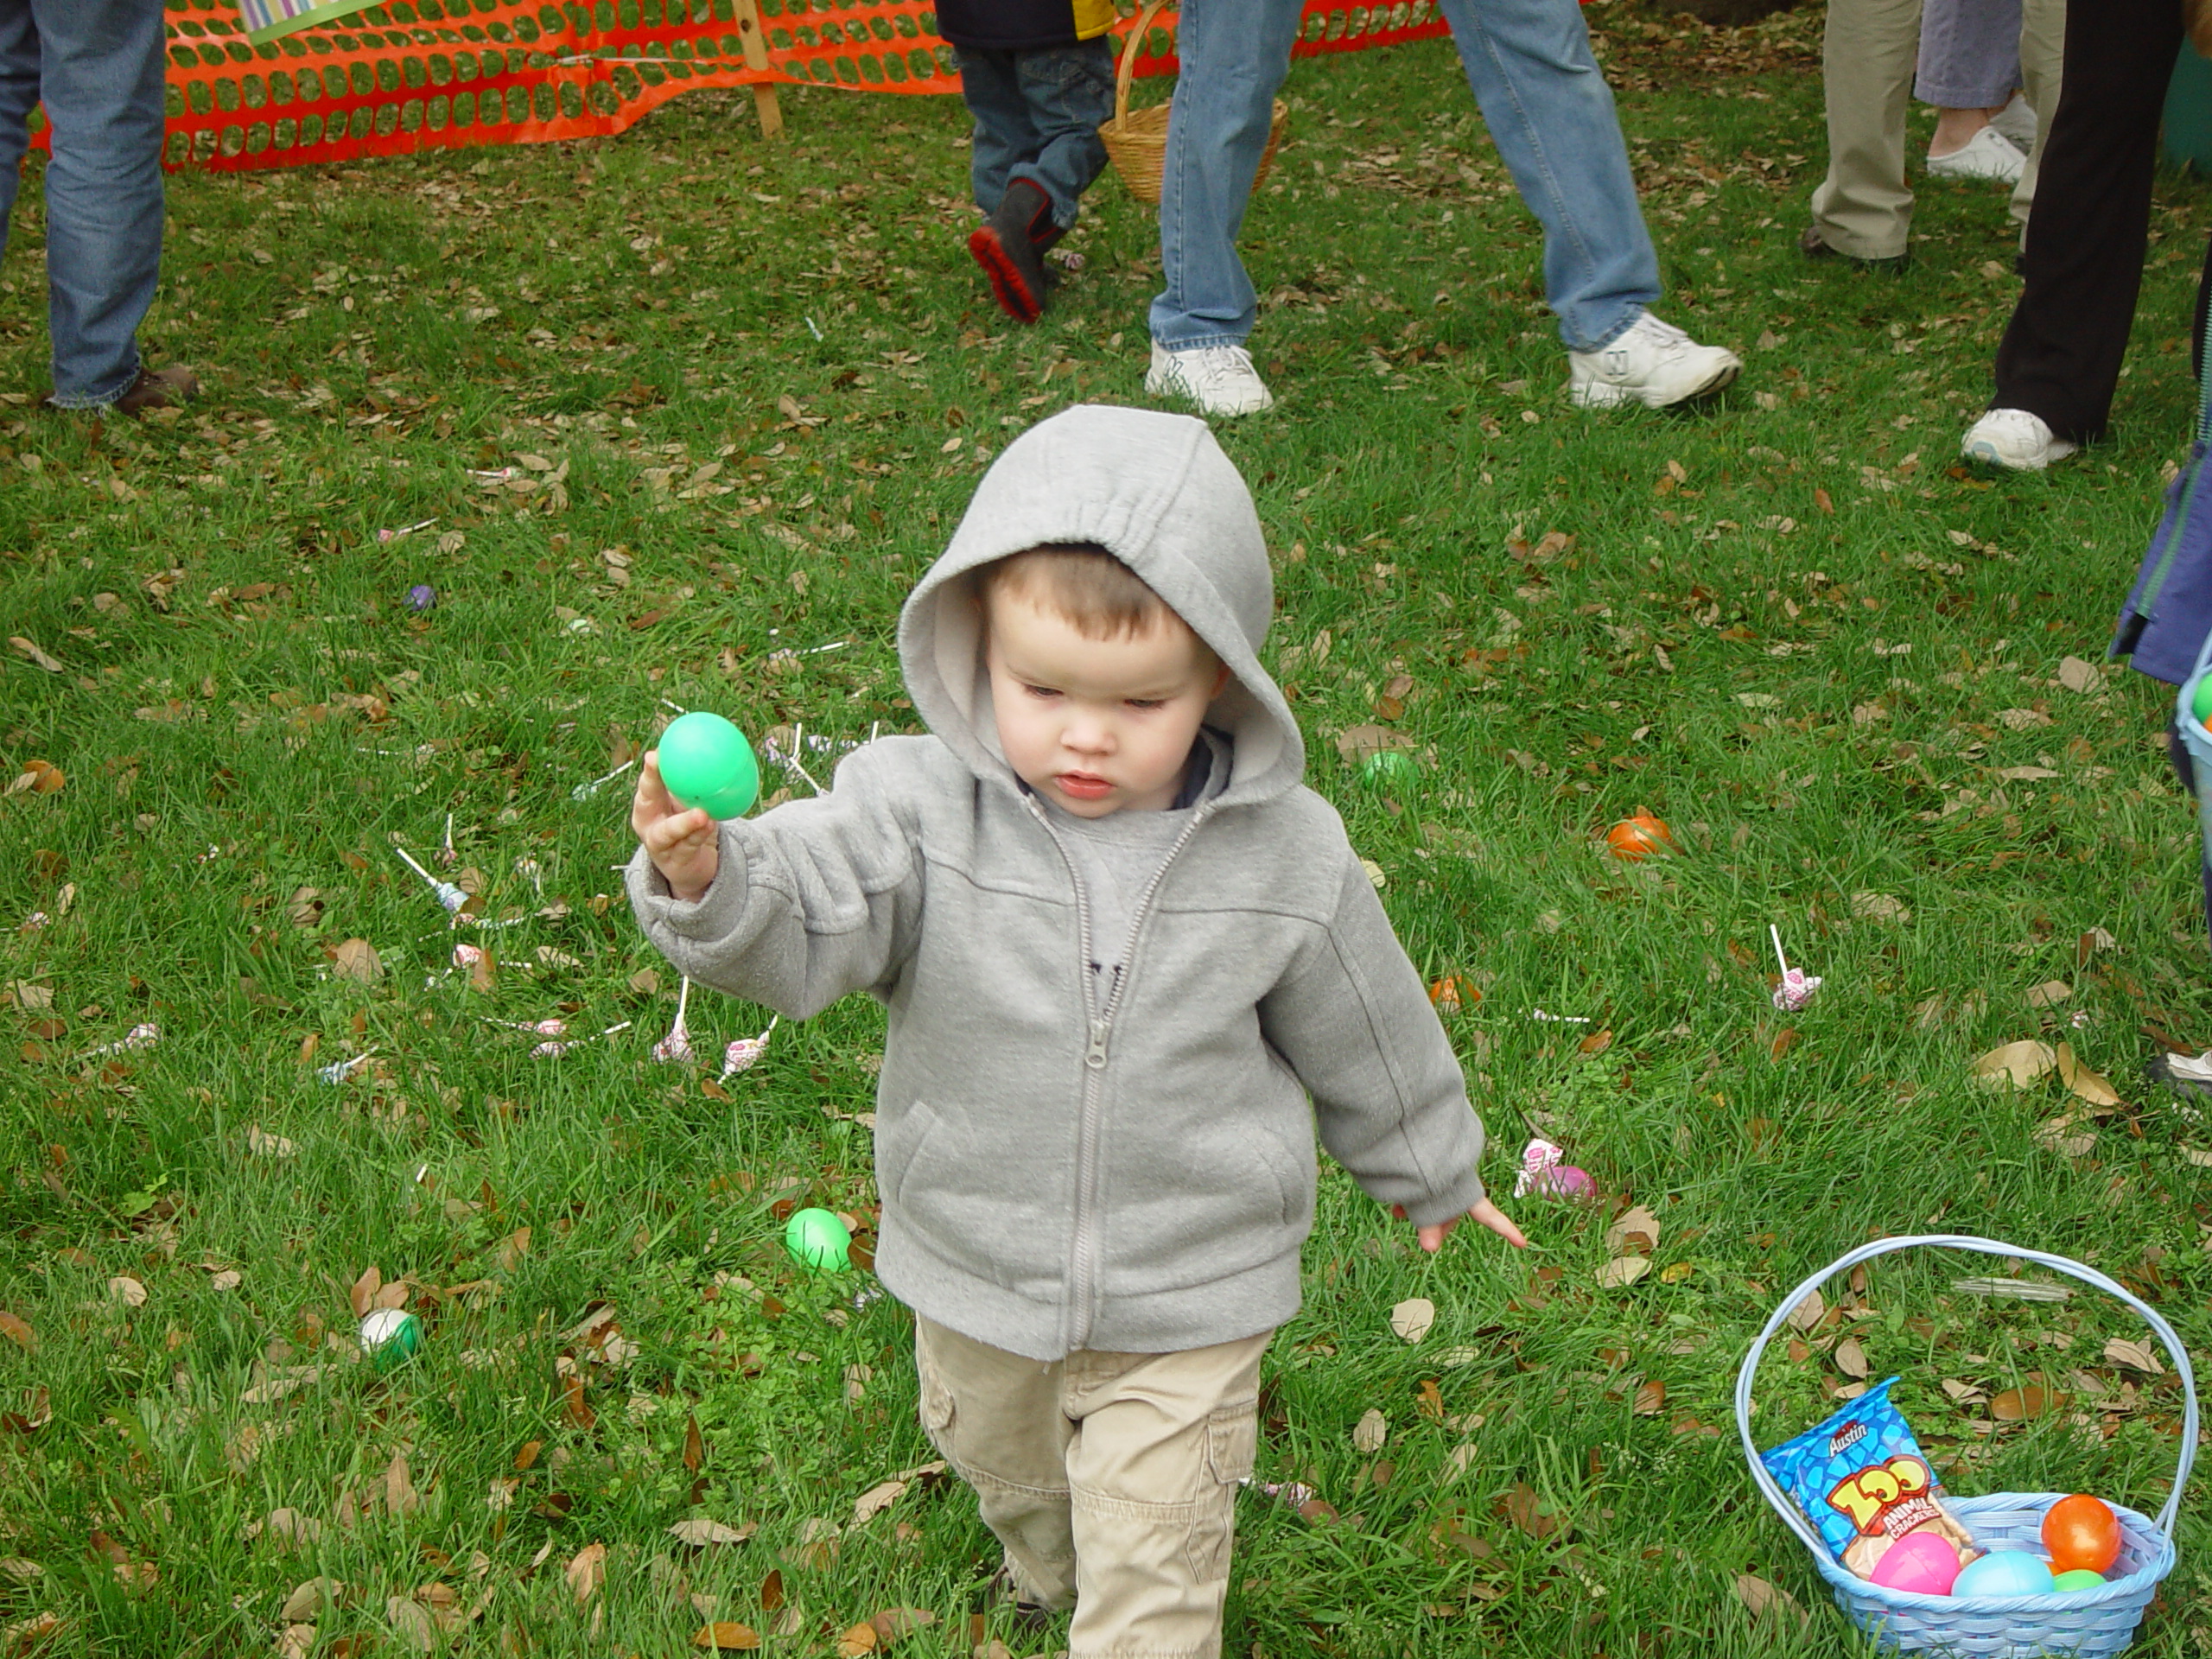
<point x="706" y="763"/>
<point x="390" y="1337"/>
<point x="1387" y="767"/>
<point x="2201" y="704"/>
<point x="817" y="1239"/>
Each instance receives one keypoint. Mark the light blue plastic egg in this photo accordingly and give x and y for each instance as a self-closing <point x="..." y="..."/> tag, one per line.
<point x="2004" y="1572"/>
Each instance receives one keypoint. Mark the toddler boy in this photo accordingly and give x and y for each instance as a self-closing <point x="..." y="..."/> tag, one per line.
<point x="1129" y="963"/>
<point x="1037" y="77"/>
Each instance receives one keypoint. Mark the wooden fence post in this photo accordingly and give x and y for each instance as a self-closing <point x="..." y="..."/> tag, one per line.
<point x="756" y="57"/>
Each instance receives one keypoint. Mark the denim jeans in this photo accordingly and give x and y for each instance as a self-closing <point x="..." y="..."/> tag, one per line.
<point x="1549" y="112"/>
<point x="1037" y="117"/>
<point x="98" y="67"/>
<point x="1969" y="54"/>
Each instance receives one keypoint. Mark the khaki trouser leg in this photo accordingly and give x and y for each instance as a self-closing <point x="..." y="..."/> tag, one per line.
<point x="2043" y="56"/>
<point x="1862" y="208"/>
<point x="1110" y="1479"/>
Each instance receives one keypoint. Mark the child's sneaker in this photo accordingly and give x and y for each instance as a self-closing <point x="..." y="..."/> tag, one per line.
<point x="1652" y="363"/>
<point x="1010" y="247"/>
<point x="1220" y="378"/>
<point x="2015" y="440"/>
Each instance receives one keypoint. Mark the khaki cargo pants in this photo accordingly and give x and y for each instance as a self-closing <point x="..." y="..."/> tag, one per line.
<point x="1110" y="1479"/>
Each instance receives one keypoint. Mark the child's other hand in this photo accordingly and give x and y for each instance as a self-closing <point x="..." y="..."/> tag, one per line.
<point x="1431" y="1238"/>
<point x="680" y="841"/>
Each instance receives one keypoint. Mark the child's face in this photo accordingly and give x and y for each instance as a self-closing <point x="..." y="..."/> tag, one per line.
<point x="1096" y="726"/>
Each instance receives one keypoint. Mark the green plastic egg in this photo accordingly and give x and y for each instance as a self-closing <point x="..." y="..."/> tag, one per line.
<point x="390" y="1337"/>
<point x="1388" y="767"/>
<point x="706" y="763"/>
<point x="817" y="1239"/>
<point x="2080" y="1578"/>
<point x="2201" y="704"/>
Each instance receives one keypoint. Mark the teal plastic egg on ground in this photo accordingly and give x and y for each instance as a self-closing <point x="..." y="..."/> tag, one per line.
<point x="2004" y="1573"/>
<point x="390" y="1337"/>
<point x="2080" y="1578"/>
<point x="706" y="763"/>
<point x="817" y="1239"/>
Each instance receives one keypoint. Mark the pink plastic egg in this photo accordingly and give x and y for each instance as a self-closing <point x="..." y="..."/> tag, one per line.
<point x="1919" y="1561"/>
<point x="1565" y="1182"/>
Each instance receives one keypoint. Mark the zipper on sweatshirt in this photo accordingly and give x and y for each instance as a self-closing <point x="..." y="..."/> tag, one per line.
<point x="1082" y="1268"/>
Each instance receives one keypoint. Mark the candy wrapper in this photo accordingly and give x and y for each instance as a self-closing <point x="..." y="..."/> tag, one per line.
<point x="1796" y="987"/>
<point x="1861" y="1480"/>
<point x="1545" y="1171"/>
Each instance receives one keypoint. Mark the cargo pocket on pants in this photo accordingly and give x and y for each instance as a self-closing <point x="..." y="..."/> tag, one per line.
<point x="1232" y="1441"/>
<point x="937" y="1411"/>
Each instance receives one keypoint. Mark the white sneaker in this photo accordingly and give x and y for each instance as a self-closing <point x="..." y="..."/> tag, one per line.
<point x="2014" y="439"/>
<point x="1220" y="379"/>
<point x="1988" y="154"/>
<point x="2016" y="121"/>
<point x="1652" y="363"/>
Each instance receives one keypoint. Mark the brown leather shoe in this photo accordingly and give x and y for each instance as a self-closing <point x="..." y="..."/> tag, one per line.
<point x="169" y="388"/>
<point x="1813" y="245"/>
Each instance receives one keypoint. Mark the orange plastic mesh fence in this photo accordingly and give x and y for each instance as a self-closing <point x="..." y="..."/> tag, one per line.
<point x="416" y="74"/>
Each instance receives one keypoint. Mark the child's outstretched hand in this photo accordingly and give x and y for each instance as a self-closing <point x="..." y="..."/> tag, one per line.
<point x="1431" y="1238"/>
<point x="680" y="841"/>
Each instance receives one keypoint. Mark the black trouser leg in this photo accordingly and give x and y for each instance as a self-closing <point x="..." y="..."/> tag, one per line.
<point x="2083" y="261"/>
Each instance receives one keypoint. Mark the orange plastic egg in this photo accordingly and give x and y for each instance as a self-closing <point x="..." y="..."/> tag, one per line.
<point x="1453" y="994"/>
<point x="2081" y="1531"/>
<point x="1637" y="838"/>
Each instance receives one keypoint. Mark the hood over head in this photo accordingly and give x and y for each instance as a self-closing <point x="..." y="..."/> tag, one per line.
<point x="1155" y="491"/>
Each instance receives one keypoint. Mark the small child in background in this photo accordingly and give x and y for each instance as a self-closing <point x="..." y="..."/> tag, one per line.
<point x="1130" y="965"/>
<point x="1038" y="76"/>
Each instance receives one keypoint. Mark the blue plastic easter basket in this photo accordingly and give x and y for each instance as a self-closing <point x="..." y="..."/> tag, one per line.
<point x="2198" y="743"/>
<point x="2087" y="1622"/>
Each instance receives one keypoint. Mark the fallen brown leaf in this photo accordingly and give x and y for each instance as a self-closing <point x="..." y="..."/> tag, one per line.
<point x="855" y="1640"/>
<point x="700" y="1533"/>
<point x="1370" y="1431"/>
<point x="18" y="1333"/>
<point x="2022" y="1063"/>
<point x="1651" y="1397"/>
<point x="1523" y="1510"/>
<point x="1634" y="1232"/>
<point x="1623" y="1271"/>
<point x="128" y="1291"/>
<point x="1761" y="1599"/>
<point x="2026" y="1403"/>
<point x="1809" y="1312"/>
<point x="1411" y="1319"/>
<point x="893" y="1623"/>
<point x="695" y="1444"/>
<point x="727" y="1636"/>
<point x="2085" y="1083"/>
<point x="2136" y="1356"/>
<point x="878" y="1498"/>
<point x="357" y="960"/>
<point x="363" y="1296"/>
<point x="586" y="1572"/>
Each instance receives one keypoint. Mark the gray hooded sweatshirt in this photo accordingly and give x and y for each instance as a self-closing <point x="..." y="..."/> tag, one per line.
<point x="1134" y="1172"/>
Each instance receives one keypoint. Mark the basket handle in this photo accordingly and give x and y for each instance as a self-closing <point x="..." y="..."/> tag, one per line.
<point x="1795" y="1519"/>
<point x="1132" y="44"/>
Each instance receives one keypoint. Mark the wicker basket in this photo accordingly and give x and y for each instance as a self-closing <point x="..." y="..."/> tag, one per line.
<point x="2087" y="1623"/>
<point x="1136" y="140"/>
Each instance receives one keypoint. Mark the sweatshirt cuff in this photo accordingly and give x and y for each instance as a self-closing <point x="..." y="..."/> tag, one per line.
<point x="1450" y="1204"/>
<point x="714" y="914"/>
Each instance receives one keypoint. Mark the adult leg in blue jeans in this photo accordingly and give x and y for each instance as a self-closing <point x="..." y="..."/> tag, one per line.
<point x="1552" y="117"/>
<point x="98" y="67"/>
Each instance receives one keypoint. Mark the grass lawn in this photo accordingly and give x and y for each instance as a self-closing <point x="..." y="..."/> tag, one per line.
<point x="684" y="411"/>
